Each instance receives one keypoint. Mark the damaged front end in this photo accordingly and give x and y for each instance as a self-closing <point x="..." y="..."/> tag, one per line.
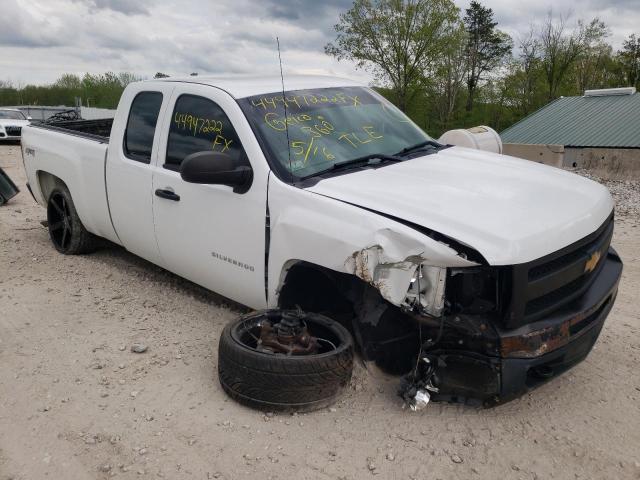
<point x="409" y="283"/>
<point x="483" y="334"/>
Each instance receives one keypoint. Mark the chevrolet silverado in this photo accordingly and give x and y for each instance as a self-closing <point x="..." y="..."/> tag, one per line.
<point x="326" y="197"/>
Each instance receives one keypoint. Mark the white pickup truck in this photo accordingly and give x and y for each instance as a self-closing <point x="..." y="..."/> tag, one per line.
<point x="327" y="197"/>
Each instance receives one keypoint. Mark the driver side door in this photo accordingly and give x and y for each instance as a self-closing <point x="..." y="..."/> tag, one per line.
<point x="208" y="233"/>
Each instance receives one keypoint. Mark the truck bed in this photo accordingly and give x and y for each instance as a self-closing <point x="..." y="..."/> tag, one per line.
<point x="99" y="130"/>
<point x="74" y="152"/>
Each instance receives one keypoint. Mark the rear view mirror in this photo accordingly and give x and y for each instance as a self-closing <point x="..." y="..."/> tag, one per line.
<point x="215" y="168"/>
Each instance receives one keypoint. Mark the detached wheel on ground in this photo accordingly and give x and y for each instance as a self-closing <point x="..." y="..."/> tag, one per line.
<point x="66" y="231"/>
<point x="285" y="360"/>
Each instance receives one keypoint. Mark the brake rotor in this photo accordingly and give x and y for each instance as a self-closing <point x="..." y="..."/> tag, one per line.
<point x="290" y="336"/>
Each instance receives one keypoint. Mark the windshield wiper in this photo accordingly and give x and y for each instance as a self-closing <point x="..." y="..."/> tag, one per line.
<point x="420" y="146"/>
<point x="365" y="160"/>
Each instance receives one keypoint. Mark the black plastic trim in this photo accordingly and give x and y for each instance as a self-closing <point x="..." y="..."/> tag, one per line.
<point x="68" y="131"/>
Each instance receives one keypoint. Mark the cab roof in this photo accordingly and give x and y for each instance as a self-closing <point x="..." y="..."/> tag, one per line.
<point x="240" y="86"/>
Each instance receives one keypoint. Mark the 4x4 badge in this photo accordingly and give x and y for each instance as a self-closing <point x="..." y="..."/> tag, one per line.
<point x="592" y="262"/>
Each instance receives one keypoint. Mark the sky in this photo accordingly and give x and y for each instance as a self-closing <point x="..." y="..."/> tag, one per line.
<point x="42" y="39"/>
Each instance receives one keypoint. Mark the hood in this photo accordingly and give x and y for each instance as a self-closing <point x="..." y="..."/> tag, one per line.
<point x="7" y="122"/>
<point x="510" y="210"/>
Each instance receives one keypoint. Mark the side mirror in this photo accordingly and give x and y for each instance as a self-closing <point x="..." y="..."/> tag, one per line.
<point x="215" y="168"/>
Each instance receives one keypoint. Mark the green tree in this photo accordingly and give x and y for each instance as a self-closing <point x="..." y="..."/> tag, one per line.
<point x="629" y="59"/>
<point x="590" y="71"/>
<point x="69" y="80"/>
<point x="559" y="51"/>
<point x="527" y="78"/>
<point x="396" y="39"/>
<point x="125" y="78"/>
<point x="447" y="78"/>
<point x="487" y="47"/>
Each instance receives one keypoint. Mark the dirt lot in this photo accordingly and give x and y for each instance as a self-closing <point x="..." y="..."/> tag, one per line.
<point x="75" y="403"/>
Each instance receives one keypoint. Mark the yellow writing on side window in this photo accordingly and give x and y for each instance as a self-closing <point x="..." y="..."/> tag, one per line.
<point x="221" y="144"/>
<point x="196" y="125"/>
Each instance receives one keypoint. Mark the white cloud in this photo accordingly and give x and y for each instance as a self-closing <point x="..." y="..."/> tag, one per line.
<point x="41" y="39"/>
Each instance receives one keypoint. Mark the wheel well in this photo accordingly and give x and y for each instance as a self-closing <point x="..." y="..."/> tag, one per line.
<point x="383" y="332"/>
<point x="317" y="289"/>
<point x="48" y="182"/>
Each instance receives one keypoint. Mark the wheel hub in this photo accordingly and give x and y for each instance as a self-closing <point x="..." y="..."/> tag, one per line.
<point x="289" y="336"/>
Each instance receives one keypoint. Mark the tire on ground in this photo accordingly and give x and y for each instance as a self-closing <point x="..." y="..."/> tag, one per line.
<point x="80" y="240"/>
<point x="280" y="382"/>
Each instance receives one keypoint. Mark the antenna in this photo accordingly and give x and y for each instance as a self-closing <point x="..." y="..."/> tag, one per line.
<point x="284" y="102"/>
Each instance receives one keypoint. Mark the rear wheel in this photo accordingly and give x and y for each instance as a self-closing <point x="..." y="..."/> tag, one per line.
<point x="66" y="231"/>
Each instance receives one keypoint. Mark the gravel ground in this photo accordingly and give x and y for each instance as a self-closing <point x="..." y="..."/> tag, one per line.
<point x="76" y="403"/>
<point x="626" y="193"/>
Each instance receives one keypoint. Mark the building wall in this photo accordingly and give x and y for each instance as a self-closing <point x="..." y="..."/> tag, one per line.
<point x="615" y="163"/>
<point x="547" y="154"/>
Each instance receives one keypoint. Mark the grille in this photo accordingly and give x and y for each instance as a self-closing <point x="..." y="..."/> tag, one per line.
<point x="555" y="297"/>
<point x="13" y="131"/>
<point x="545" y="285"/>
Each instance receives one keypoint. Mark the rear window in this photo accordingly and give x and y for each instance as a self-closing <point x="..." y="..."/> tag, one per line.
<point x="141" y="126"/>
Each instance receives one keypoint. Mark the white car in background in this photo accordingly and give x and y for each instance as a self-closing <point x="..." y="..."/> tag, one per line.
<point x="11" y="123"/>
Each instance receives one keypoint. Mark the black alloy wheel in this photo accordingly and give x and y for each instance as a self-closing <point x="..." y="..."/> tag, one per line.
<point x="66" y="230"/>
<point x="59" y="220"/>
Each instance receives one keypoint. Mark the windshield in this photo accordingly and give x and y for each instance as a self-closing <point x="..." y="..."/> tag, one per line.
<point x="12" y="115"/>
<point x="328" y="126"/>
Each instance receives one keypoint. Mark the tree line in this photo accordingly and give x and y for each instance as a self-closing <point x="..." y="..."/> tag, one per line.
<point x="446" y="68"/>
<point x="103" y="91"/>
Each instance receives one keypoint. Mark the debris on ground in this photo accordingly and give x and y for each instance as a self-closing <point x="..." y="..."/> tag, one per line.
<point x="416" y="386"/>
<point x="138" y="348"/>
<point x="8" y="189"/>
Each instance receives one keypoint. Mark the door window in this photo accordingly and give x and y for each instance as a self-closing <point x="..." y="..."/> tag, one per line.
<point x="141" y="126"/>
<point x="198" y="125"/>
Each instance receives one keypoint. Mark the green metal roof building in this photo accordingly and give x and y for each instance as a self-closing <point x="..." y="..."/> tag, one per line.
<point x="599" y="130"/>
<point x="600" y="118"/>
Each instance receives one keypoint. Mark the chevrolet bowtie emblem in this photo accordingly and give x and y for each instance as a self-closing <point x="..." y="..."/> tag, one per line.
<point x="592" y="262"/>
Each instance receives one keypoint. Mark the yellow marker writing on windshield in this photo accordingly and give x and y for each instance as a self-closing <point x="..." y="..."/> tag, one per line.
<point x="355" y="139"/>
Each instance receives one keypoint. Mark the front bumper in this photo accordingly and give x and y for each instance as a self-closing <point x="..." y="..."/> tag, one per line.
<point x="532" y="354"/>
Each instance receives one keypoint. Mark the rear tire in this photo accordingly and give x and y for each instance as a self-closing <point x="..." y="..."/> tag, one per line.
<point x="66" y="231"/>
<point x="281" y="382"/>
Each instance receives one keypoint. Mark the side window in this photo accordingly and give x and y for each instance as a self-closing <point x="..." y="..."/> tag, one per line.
<point x="141" y="126"/>
<point x="197" y="125"/>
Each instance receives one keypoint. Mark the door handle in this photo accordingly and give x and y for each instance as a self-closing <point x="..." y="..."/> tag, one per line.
<point x="168" y="194"/>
